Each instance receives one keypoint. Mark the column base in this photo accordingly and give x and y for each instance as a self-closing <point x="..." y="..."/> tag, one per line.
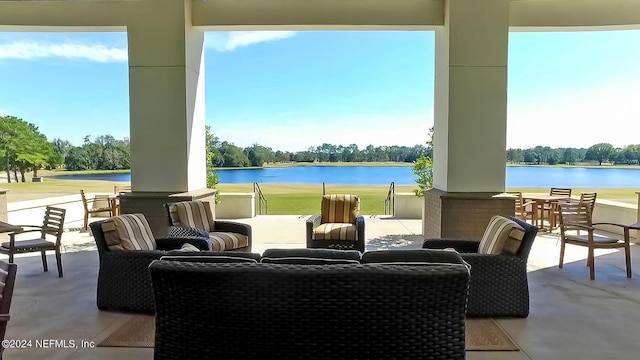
<point x="462" y="215"/>
<point x="151" y="204"/>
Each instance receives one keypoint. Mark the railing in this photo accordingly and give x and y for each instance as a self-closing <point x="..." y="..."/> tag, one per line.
<point x="262" y="200"/>
<point x="389" y="201"/>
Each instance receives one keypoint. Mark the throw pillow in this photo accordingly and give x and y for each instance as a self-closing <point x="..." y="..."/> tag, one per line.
<point x="500" y="236"/>
<point x="128" y="232"/>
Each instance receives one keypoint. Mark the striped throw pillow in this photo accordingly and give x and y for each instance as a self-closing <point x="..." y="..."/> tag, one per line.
<point x="498" y="233"/>
<point x="194" y="214"/>
<point x="340" y="208"/>
<point x="128" y="232"/>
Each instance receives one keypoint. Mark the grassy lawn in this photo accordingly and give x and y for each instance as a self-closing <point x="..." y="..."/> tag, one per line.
<point x="282" y="198"/>
<point x="293" y="199"/>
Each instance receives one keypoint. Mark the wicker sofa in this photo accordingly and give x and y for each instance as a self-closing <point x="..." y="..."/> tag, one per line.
<point x="498" y="286"/>
<point x="287" y="309"/>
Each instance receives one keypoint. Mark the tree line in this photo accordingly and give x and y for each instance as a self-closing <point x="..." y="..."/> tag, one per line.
<point x="24" y="148"/>
<point x="600" y="153"/>
<point x="227" y="154"/>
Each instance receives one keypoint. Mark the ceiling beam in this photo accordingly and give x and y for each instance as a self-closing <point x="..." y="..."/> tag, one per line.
<point x="573" y="15"/>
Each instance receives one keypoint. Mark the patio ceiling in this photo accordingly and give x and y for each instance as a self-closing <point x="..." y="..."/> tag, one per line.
<point x="115" y="15"/>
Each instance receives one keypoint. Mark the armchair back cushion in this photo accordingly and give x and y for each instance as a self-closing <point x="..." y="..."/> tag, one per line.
<point x="194" y="214"/>
<point x="340" y="208"/>
<point x="128" y="232"/>
<point x="502" y="236"/>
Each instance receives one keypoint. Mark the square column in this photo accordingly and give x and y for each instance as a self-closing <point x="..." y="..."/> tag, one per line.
<point x="470" y="110"/>
<point x="166" y="92"/>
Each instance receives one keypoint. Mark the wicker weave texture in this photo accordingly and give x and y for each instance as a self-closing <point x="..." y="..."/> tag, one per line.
<point x="498" y="286"/>
<point x="309" y="312"/>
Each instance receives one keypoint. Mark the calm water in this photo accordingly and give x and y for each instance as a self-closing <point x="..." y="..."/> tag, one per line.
<point x="517" y="176"/>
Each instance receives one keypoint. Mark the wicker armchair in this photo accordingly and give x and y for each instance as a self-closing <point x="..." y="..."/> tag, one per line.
<point x="498" y="285"/>
<point x="196" y="218"/>
<point x="289" y="312"/>
<point x="123" y="276"/>
<point x="339" y="224"/>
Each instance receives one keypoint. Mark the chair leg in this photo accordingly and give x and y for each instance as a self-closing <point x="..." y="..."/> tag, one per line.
<point x="59" y="262"/>
<point x="44" y="260"/>
<point x="86" y="220"/>
<point x="592" y="267"/>
<point x="627" y="255"/>
<point x="561" y="264"/>
<point x="10" y="257"/>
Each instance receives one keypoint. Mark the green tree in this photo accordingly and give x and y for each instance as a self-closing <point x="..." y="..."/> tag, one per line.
<point x="600" y="152"/>
<point x="24" y="148"/>
<point x="423" y="169"/>
<point x="212" y="178"/>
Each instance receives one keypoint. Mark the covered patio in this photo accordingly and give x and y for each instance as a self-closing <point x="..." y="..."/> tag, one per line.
<point x="569" y="313"/>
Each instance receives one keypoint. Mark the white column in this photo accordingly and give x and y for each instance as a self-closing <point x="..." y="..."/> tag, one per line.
<point x="471" y="96"/>
<point x="166" y="93"/>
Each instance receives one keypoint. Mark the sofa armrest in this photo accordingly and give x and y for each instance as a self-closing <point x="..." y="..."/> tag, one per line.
<point x="498" y="285"/>
<point x="360" y="228"/>
<point x="173" y="243"/>
<point x="312" y="222"/>
<point x="234" y="227"/>
<point x="461" y="246"/>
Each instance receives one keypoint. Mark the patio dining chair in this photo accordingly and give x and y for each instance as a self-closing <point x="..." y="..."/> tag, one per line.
<point x="574" y="217"/>
<point x="524" y="210"/>
<point x="551" y="209"/>
<point x="92" y="209"/>
<point x="50" y="237"/>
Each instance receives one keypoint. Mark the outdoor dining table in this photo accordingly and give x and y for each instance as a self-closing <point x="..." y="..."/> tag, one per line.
<point x="542" y="199"/>
<point x="8" y="228"/>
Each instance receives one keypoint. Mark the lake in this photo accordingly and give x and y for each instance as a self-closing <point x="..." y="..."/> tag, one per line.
<point x="517" y="176"/>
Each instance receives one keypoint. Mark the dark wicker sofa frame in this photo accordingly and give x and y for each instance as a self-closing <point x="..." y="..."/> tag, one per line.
<point x="311" y="312"/>
<point x="498" y="285"/>
<point x="123" y="276"/>
<point x="221" y="226"/>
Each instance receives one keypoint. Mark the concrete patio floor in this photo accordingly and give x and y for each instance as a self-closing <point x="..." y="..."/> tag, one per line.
<point x="571" y="316"/>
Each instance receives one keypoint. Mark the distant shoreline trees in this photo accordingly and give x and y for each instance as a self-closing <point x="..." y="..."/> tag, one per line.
<point x="24" y="148"/>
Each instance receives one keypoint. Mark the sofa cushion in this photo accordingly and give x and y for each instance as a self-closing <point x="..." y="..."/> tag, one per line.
<point x="313" y="253"/>
<point x="209" y="259"/>
<point x="227" y="241"/>
<point x="128" y="232"/>
<point x="340" y="208"/>
<point x="501" y="236"/>
<point x="247" y="255"/>
<point x="306" y="261"/>
<point x="195" y="214"/>
<point x="411" y="256"/>
<point x="335" y="231"/>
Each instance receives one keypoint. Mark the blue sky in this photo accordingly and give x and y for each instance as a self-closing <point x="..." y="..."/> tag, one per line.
<point x="283" y="89"/>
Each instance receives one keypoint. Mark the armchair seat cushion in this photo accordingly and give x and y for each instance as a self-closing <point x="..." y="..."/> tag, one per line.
<point x="335" y="231"/>
<point x="221" y="241"/>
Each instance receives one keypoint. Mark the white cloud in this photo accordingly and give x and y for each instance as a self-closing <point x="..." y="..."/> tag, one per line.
<point x="361" y="130"/>
<point x="231" y="40"/>
<point x="34" y="50"/>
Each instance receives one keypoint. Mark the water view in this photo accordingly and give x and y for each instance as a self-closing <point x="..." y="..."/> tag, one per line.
<point x="517" y="176"/>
